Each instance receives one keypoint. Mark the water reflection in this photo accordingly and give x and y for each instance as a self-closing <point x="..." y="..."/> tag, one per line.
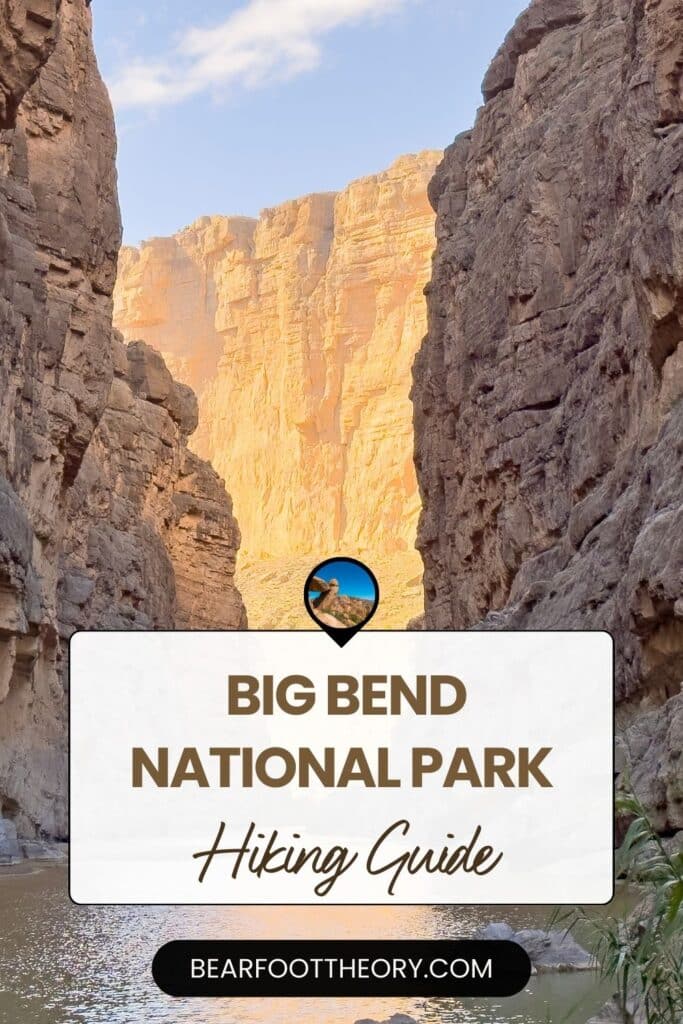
<point x="61" y="964"/>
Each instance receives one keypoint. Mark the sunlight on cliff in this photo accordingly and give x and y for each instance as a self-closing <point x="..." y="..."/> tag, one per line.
<point x="298" y="333"/>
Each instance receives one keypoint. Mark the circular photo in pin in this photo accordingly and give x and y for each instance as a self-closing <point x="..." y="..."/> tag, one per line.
<point x="341" y="596"/>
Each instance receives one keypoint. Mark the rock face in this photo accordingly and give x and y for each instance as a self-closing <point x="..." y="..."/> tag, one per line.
<point x="167" y="293"/>
<point x="10" y="852"/>
<point x="152" y="541"/>
<point x="548" y="412"/>
<point x="304" y="325"/>
<point x="28" y="32"/>
<point x="105" y="518"/>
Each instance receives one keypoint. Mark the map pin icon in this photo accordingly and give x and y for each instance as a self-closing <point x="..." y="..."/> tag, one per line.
<point x="341" y="596"/>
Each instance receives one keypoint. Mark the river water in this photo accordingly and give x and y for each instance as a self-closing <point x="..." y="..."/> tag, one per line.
<point x="63" y="964"/>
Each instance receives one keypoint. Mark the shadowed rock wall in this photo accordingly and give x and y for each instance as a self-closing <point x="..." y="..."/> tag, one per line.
<point x="106" y="519"/>
<point x="548" y="413"/>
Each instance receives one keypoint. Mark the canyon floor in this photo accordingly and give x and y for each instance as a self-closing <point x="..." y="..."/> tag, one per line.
<point x="273" y="590"/>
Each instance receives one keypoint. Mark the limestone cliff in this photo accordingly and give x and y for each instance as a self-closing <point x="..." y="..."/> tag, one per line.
<point x="548" y="408"/>
<point x="105" y="518"/>
<point x="298" y="331"/>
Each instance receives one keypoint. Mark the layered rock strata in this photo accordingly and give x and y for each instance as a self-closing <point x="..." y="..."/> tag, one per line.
<point x="106" y="519"/>
<point x="302" y="326"/>
<point x="548" y="412"/>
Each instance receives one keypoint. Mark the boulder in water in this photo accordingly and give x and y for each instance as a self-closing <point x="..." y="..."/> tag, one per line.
<point x="548" y="951"/>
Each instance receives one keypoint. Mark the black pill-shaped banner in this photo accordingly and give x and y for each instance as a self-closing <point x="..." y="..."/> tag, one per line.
<point x="341" y="969"/>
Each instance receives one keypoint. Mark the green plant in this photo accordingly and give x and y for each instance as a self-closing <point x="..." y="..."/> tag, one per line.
<point x="643" y="953"/>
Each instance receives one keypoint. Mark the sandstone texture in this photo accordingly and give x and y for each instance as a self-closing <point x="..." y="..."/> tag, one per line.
<point x="106" y="519"/>
<point x="548" y="412"/>
<point x="298" y="332"/>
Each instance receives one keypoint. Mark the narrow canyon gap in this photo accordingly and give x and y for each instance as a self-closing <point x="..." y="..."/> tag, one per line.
<point x="547" y="393"/>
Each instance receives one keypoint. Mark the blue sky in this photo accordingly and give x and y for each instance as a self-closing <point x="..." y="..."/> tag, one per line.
<point x="353" y="579"/>
<point x="229" y="106"/>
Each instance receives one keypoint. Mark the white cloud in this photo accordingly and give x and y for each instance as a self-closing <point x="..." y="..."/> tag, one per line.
<point x="263" y="40"/>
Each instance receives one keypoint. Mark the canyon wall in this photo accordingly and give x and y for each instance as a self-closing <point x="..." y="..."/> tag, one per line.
<point x="548" y="412"/>
<point x="298" y="332"/>
<point x="106" y="519"/>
